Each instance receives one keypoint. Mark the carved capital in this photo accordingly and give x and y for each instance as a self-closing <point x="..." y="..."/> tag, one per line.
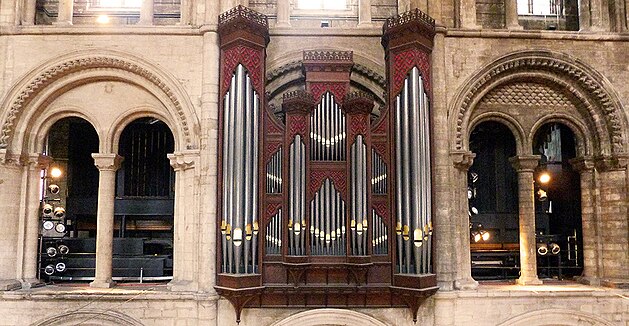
<point x="610" y="163"/>
<point x="358" y="102"/>
<point x="462" y="160"/>
<point x="107" y="162"/>
<point x="182" y="161"/>
<point x="298" y="101"/>
<point x="525" y="163"/>
<point x="583" y="164"/>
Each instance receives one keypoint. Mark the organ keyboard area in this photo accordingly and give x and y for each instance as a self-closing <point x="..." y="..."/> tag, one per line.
<point x="326" y="201"/>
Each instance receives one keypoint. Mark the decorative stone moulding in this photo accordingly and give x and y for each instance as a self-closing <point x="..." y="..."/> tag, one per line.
<point x="50" y="75"/>
<point x="590" y="88"/>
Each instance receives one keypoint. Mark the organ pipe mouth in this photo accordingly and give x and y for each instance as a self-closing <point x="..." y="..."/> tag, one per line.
<point x="237" y="237"/>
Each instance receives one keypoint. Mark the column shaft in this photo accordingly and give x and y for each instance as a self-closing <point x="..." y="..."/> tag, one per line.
<point x="511" y="15"/>
<point x="364" y="12"/>
<point x="146" y="13"/>
<point x="525" y="166"/>
<point x="464" y="281"/>
<point x="66" y="10"/>
<point x="107" y="165"/>
<point x="283" y="13"/>
<point x="29" y="12"/>
<point x="466" y="12"/>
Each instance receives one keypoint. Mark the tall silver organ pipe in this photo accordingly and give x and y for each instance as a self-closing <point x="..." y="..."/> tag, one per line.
<point x="297" y="198"/>
<point x="359" y="212"/>
<point x="327" y="131"/>
<point x="239" y="224"/>
<point x="412" y="173"/>
<point x="274" y="173"/>
<point x="327" y="222"/>
<point x="378" y="174"/>
<point x="274" y="234"/>
<point x="380" y="234"/>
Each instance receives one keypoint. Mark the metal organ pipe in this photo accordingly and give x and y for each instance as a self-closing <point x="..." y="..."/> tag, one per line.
<point x="240" y="154"/>
<point x="297" y="194"/>
<point x="273" y="234"/>
<point x="378" y="174"/>
<point x="327" y="136"/>
<point x="358" y="179"/>
<point x="274" y="173"/>
<point x="413" y="192"/>
<point x="327" y="215"/>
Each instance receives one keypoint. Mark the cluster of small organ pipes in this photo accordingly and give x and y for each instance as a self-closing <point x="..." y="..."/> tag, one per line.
<point x="328" y="213"/>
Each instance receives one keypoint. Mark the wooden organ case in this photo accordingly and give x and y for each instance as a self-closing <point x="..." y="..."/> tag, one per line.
<point x="329" y="207"/>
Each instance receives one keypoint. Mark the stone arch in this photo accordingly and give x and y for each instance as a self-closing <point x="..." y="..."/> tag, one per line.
<point x="584" y="146"/>
<point x="89" y="318"/>
<point x="521" y="142"/>
<point x="327" y="316"/>
<point x="559" y="317"/>
<point x="590" y="89"/>
<point x="43" y="124"/>
<point x="83" y="67"/>
<point x="113" y="135"/>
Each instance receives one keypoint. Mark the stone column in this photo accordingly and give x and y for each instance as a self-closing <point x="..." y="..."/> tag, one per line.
<point x="107" y="165"/>
<point x="466" y="11"/>
<point x="594" y="16"/>
<point x="403" y="6"/>
<point x="525" y="166"/>
<point x="511" y="15"/>
<point x="590" y="210"/>
<point x="30" y="214"/>
<point x="462" y="161"/>
<point x="186" y="223"/>
<point x="146" y="13"/>
<point x="364" y="12"/>
<point x="66" y="10"/>
<point x="28" y="15"/>
<point x="283" y="13"/>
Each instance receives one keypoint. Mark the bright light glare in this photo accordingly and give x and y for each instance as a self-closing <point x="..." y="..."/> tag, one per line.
<point x="55" y="172"/>
<point x="486" y="236"/>
<point x="102" y="19"/>
<point x="544" y="178"/>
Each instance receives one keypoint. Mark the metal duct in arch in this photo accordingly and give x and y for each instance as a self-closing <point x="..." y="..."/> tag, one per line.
<point x="274" y="173"/>
<point x="297" y="195"/>
<point x="327" y="131"/>
<point x="239" y="224"/>
<point x="274" y="234"/>
<point x="359" y="212"/>
<point x="327" y="222"/>
<point x="380" y="234"/>
<point x="412" y="172"/>
<point x="378" y="174"/>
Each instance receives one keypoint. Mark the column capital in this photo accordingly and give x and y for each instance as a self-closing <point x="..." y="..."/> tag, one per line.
<point x="611" y="162"/>
<point x="462" y="160"/>
<point x="181" y="161"/>
<point x="583" y="164"/>
<point x="525" y="163"/>
<point x="107" y="162"/>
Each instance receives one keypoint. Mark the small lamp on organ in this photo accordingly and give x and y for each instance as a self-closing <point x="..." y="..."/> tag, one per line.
<point x="55" y="172"/>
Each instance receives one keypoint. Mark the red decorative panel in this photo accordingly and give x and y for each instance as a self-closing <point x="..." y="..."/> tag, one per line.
<point x="337" y="89"/>
<point x="382" y="149"/>
<point x="270" y="149"/>
<point x="404" y="61"/>
<point x="272" y="208"/>
<point x="297" y="124"/>
<point x="381" y="127"/>
<point x="382" y="210"/>
<point x="357" y="126"/>
<point x="338" y="177"/>
<point x="250" y="58"/>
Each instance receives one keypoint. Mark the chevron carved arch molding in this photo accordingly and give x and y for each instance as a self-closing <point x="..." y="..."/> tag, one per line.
<point x="89" y="317"/>
<point x="18" y="100"/>
<point x="601" y="101"/>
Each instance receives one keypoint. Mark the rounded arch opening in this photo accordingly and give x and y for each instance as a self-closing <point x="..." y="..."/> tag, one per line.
<point x="68" y="201"/>
<point x="559" y="230"/>
<point x="493" y="202"/>
<point x="321" y="317"/>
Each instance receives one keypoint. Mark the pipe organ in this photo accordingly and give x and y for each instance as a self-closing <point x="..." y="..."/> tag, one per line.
<point x="317" y="180"/>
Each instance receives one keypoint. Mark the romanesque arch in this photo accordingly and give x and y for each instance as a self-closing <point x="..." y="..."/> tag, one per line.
<point x="560" y="317"/>
<point x="75" y="69"/>
<point x="317" y="317"/>
<point x="89" y="318"/>
<point x="583" y="87"/>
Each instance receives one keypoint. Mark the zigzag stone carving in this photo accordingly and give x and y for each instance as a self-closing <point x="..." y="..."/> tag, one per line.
<point x="551" y="62"/>
<point x="66" y="68"/>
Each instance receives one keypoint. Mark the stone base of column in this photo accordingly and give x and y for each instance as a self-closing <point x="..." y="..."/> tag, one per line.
<point x="183" y="286"/>
<point x="515" y="27"/>
<point x="283" y="24"/>
<point x="366" y="25"/>
<point x="616" y="283"/>
<point x="528" y="281"/>
<point x="102" y="284"/>
<point x="10" y="285"/>
<point x="466" y="284"/>
<point x="62" y="23"/>
<point x="589" y="280"/>
<point x="446" y="285"/>
<point x="32" y="283"/>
